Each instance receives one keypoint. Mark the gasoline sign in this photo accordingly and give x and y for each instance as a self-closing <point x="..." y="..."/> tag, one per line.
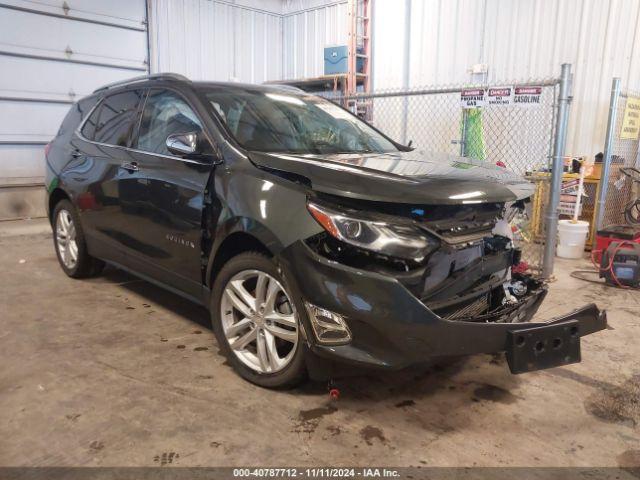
<point x="528" y="96"/>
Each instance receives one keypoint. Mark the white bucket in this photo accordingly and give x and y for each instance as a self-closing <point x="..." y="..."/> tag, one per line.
<point x="571" y="238"/>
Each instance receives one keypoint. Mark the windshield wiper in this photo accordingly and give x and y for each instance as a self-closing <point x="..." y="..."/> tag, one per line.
<point x="345" y="152"/>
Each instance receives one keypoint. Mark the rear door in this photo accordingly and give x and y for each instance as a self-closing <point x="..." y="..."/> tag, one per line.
<point x="167" y="199"/>
<point x="107" y="167"/>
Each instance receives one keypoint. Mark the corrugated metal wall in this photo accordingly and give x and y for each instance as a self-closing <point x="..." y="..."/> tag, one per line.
<point x="50" y="55"/>
<point x="309" y="26"/>
<point x="249" y="41"/>
<point x="517" y="39"/>
<point x="217" y="40"/>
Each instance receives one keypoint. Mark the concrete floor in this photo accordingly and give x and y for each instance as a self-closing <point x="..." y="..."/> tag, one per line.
<point x="114" y="371"/>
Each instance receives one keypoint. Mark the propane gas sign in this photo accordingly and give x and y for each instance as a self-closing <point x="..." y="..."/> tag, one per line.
<point x="472" y="98"/>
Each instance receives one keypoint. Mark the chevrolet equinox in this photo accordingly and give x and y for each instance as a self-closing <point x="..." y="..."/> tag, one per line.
<point x="318" y="244"/>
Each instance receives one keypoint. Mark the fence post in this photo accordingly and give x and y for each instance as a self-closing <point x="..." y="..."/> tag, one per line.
<point x="463" y="133"/>
<point x="606" y="160"/>
<point x="406" y="69"/>
<point x="564" y="99"/>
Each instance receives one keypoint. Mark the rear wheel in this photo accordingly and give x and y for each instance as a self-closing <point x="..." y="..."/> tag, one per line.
<point x="256" y="322"/>
<point x="69" y="242"/>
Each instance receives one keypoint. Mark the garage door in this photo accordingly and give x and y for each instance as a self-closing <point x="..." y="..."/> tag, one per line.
<point x="51" y="54"/>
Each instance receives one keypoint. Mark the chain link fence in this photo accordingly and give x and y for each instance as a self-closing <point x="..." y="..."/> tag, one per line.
<point x="514" y="135"/>
<point x="619" y="191"/>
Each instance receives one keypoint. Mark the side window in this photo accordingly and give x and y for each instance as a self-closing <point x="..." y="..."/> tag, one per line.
<point x="89" y="128"/>
<point x="74" y="116"/>
<point x="165" y="113"/>
<point x="117" y="117"/>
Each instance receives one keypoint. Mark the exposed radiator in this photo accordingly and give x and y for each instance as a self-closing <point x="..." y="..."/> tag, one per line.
<point x="476" y="307"/>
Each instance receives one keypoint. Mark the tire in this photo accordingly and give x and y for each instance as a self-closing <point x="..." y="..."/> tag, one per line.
<point x="268" y="343"/>
<point x="67" y="228"/>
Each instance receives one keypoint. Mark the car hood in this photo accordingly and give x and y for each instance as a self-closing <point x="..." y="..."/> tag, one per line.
<point x="402" y="177"/>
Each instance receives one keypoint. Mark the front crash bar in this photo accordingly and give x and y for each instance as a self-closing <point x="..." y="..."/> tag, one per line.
<point x="553" y="343"/>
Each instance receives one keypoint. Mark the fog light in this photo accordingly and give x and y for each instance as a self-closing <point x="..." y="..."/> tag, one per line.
<point x="329" y="327"/>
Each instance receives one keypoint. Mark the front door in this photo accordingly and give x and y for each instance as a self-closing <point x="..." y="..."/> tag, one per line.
<point x="166" y="202"/>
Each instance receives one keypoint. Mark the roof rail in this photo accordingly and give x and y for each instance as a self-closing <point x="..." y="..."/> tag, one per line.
<point x="288" y="88"/>
<point x="142" y="78"/>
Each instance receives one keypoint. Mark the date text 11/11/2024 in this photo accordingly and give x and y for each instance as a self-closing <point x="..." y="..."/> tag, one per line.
<point x="320" y="472"/>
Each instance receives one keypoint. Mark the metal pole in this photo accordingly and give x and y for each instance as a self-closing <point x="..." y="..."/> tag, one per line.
<point x="440" y="91"/>
<point x="606" y="160"/>
<point x="463" y="139"/>
<point x="551" y="216"/>
<point x="147" y="16"/>
<point x="372" y="44"/>
<point x="406" y="68"/>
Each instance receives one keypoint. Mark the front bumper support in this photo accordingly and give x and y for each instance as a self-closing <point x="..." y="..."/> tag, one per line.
<point x="553" y="343"/>
<point x="393" y="329"/>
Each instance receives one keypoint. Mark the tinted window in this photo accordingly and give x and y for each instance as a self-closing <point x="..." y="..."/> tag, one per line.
<point x="89" y="128"/>
<point x="274" y="121"/>
<point x="75" y="115"/>
<point x="165" y="113"/>
<point x="117" y="117"/>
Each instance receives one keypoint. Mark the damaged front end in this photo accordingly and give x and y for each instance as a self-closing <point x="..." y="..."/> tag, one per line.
<point x="458" y="262"/>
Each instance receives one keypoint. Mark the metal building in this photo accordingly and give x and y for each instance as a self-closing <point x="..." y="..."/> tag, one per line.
<point x="256" y="41"/>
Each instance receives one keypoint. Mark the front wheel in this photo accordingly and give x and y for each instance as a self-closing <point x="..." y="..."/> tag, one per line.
<point x="257" y="323"/>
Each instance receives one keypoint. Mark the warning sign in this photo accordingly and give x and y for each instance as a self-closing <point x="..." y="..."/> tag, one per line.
<point x="570" y="187"/>
<point x="631" y="120"/>
<point x="527" y="96"/>
<point x="472" y="98"/>
<point x="568" y="208"/>
<point x="502" y="96"/>
<point x="569" y="197"/>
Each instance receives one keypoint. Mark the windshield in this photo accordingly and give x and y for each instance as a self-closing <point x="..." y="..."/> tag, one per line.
<point x="273" y="121"/>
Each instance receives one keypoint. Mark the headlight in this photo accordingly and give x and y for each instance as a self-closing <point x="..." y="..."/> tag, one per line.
<point x="404" y="241"/>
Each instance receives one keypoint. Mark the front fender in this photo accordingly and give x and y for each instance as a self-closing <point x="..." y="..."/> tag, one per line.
<point x="244" y="225"/>
<point x="269" y="208"/>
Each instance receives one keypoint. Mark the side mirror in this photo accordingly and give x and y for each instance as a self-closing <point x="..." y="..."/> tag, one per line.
<point x="182" y="143"/>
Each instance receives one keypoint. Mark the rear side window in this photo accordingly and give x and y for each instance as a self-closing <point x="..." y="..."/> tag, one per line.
<point x="89" y="128"/>
<point x="117" y="117"/>
<point x="165" y="113"/>
<point x="77" y="112"/>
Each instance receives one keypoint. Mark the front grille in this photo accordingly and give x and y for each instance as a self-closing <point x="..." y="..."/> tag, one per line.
<point x="460" y="224"/>
<point x="465" y="237"/>
<point x="476" y="307"/>
<point x="479" y="309"/>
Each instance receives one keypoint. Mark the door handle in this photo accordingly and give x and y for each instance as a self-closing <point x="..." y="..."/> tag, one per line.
<point x="76" y="153"/>
<point x="130" y="166"/>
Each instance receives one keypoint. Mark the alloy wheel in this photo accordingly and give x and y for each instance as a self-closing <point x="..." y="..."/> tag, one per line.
<point x="259" y="321"/>
<point x="66" y="239"/>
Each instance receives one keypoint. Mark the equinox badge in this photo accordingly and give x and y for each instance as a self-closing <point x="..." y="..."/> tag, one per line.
<point x="179" y="240"/>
